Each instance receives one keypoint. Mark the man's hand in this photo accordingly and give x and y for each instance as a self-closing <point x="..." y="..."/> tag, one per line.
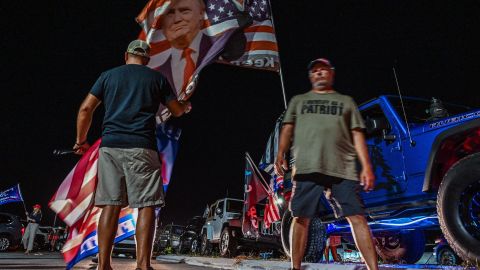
<point x="187" y="105"/>
<point x="80" y="149"/>
<point x="367" y="179"/>
<point x="281" y="165"/>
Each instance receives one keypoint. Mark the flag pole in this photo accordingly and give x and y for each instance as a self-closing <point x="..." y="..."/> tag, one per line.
<point x="265" y="184"/>
<point x="21" y="196"/>
<point x="279" y="62"/>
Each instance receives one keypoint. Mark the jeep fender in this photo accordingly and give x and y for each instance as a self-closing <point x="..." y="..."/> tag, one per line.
<point x="428" y="181"/>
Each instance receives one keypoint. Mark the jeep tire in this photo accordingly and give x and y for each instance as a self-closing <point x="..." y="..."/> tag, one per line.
<point x="405" y="246"/>
<point x="195" y="247"/>
<point x="205" y="246"/>
<point x="228" y="243"/>
<point x="458" y="214"/>
<point x="316" y="238"/>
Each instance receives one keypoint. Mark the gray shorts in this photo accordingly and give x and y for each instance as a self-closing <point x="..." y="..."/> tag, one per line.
<point x="342" y="195"/>
<point x="130" y="176"/>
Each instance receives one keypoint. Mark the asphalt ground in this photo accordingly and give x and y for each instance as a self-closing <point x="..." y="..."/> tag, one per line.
<point x="54" y="260"/>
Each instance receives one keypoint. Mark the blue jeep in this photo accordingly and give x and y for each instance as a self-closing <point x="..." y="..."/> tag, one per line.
<point x="426" y="157"/>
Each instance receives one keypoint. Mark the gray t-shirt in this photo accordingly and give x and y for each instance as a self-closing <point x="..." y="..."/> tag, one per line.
<point x="323" y="140"/>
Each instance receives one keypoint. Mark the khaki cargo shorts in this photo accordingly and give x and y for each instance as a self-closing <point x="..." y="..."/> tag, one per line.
<point x="129" y="176"/>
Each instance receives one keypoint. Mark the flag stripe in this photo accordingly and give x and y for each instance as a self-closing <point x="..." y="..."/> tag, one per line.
<point x="259" y="28"/>
<point x="261" y="45"/>
<point x="260" y="37"/>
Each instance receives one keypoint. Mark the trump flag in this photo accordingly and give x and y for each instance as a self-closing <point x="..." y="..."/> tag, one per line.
<point x="233" y="32"/>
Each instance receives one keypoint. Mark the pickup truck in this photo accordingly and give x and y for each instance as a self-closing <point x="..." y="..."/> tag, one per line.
<point x="426" y="158"/>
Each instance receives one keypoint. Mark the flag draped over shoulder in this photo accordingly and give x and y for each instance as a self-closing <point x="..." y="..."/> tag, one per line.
<point x="10" y="195"/>
<point x="234" y="32"/>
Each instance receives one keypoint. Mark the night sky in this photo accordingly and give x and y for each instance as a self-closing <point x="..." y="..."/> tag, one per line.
<point x="53" y="51"/>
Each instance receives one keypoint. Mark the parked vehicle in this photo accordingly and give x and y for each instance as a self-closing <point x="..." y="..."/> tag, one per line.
<point x="10" y="231"/>
<point x="126" y="247"/>
<point x="426" y="157"/>
<point x="170" y="237"/>
<point x="223" y="229"/>
<point x="190" y="239"/>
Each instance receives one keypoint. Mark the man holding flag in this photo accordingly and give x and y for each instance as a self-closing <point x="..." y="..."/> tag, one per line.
<point x="129" y="169"/>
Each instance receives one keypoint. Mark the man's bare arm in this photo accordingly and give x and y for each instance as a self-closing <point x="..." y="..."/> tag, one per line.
<point x="84" y="120"/>
<point x="367" y="178"/>
<point x="178" y="108"/>
<point x="286" y="136"/>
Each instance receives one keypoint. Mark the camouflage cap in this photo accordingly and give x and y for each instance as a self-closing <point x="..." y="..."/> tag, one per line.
<point x="139" y="47"/>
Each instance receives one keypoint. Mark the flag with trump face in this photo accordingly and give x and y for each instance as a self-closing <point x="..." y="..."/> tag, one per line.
<point x="187" y="35"/>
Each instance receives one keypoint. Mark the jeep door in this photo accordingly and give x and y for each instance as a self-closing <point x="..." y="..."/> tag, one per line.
<point x="384" y="143"/>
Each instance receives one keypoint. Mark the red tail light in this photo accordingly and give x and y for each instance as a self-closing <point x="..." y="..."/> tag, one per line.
<point x="23" y="230"/>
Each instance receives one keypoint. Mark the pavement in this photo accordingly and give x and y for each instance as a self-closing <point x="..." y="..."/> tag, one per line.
<point x="240" y="263"/>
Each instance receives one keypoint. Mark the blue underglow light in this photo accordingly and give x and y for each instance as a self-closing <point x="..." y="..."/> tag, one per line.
<point x="397" y="223"/>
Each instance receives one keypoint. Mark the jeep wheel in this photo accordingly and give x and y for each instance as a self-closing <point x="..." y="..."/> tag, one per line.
<point x="401" y="247"/>
<point x="228" y="243"/>
<point x="316" y="238"/>
<point x="458" y="207"/>
<point x="446" y="256"/>
<point x="4" y="242"/>
<point x="194" y="246"/>
<point x="205" y="247"/>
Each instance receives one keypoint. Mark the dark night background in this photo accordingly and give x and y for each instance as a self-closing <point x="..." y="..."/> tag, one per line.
<point x="53" y="51"/>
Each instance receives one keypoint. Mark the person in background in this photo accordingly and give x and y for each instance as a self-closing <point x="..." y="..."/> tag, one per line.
<point x="33" y="219"/>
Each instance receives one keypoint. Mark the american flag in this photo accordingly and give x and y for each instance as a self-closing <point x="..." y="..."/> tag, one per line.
<point x="73" y="203"/>
<point x="222" y="19"/>
<point x="272" y="213"/>
<point x="268" y="159"/>
<point x="261" y="50"/>
<point x="75" y="195"/>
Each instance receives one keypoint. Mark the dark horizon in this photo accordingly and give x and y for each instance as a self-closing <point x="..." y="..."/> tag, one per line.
<point x="55" y="52"/>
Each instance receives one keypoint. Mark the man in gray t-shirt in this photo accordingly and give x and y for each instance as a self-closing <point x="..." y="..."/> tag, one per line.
<point x="327" y="132"/>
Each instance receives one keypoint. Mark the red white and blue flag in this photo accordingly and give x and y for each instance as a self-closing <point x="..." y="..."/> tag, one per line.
<point x="223" y="20"/>
<point x="167" y="141"/>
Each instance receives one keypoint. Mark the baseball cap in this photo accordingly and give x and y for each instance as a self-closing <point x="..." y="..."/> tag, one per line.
<point x="37" y="206"/>
<point x="323" y="61"/>
<point x="139" y="47"/>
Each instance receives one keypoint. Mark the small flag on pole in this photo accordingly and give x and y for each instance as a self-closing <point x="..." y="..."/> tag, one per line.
<point x="10" y="195"/>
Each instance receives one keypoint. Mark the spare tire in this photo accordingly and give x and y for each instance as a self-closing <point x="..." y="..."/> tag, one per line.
<point x="458" y="207"/>
<point x="317" y="236"/>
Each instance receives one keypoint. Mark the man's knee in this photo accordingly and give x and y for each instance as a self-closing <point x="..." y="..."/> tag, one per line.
<point x="303" y="221"/>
